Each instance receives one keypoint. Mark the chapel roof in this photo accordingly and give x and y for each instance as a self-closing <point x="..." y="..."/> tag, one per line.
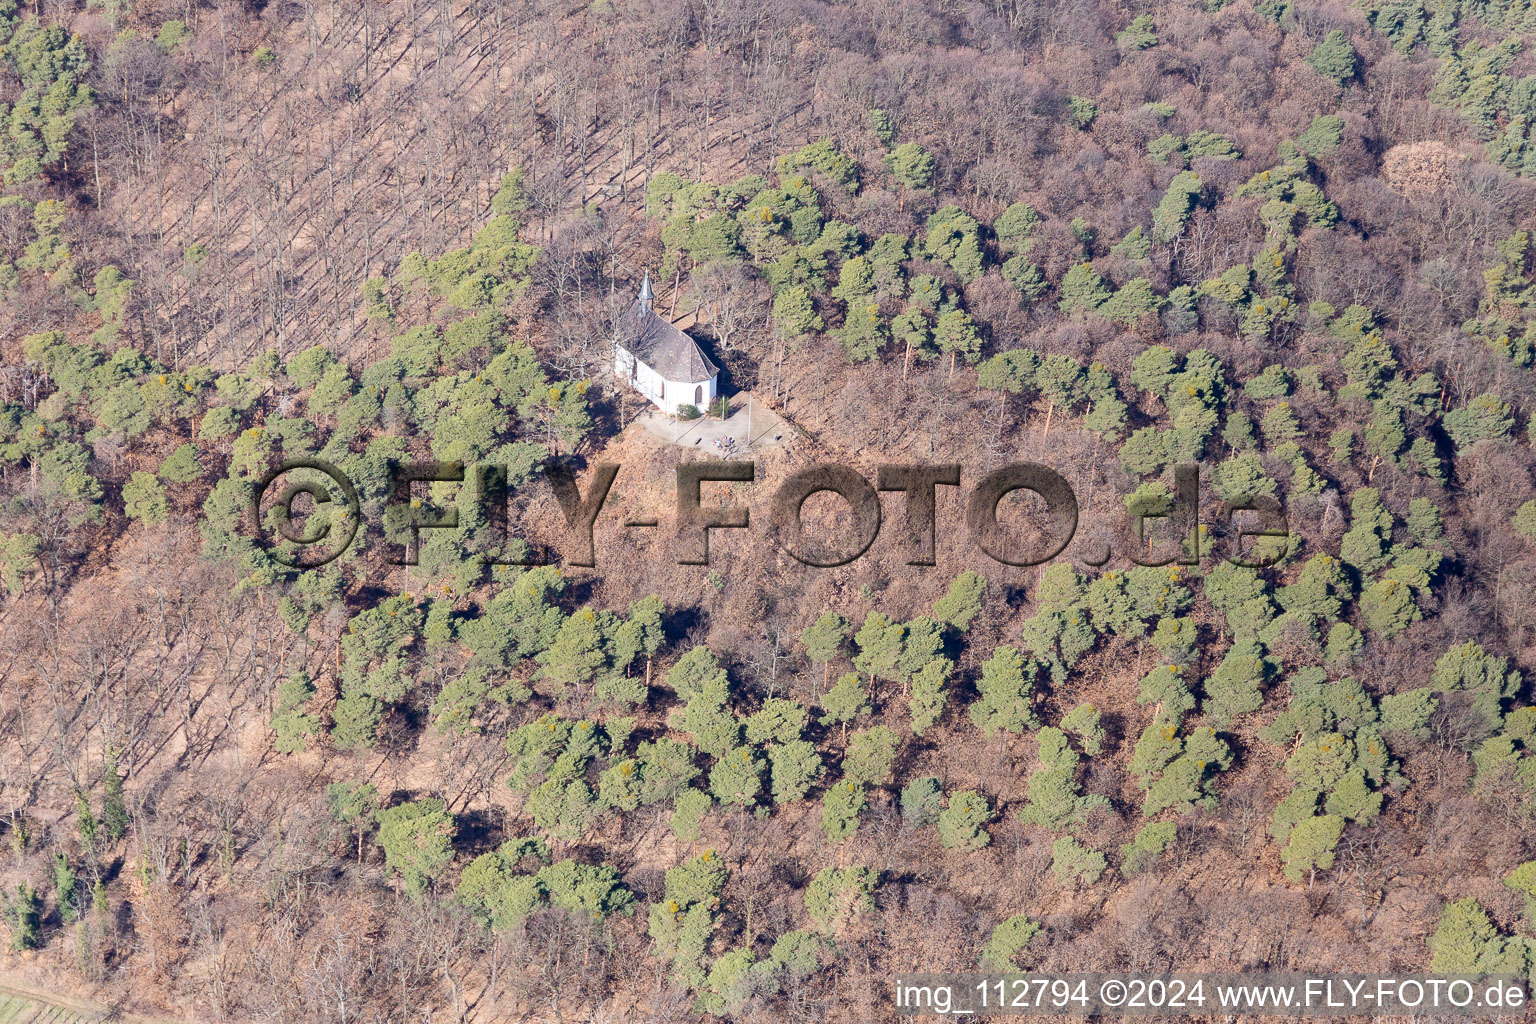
<point x="659" y="344"/>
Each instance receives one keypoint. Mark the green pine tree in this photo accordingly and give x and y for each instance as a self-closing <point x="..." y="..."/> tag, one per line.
<point x="870" y="754"/>
<point x="67" y="886"/>
<point x="1008" y="939"/>
<point x="921" y="802"/>
<point x="1334" y="58"/>
<point x="578" y="652"/>
<point x="144" y="499"/>
<point x="688" y="812"/>
<point x="114" y="810"/>
<point x="1173" y="210"/>
<point x="355" y="804"/>
<point x="1082" y="290"/>
<point x="1005" y="685"/>
<point x="962" y="825"/>
<point x="417" y="838"/>
<point x="911" y="165"/>
<point x="23" y="917"/>
<point x="1311" y="846"/>
<point x="290" y="722"/>
<point x="838" y="895"/>
<point x="929" y="694"/>
<point x="841" y="806"/>
<point x="793" y="768"/>
<point x="956" y="333"/>
<point x="1071" y="861"/>
<point x="824" y="640"/>
<point x="1054" y="800"/>
<point x="737" y="777"/>
<point x="962" y="602"/>
<point x="1014" y="228"/>
<point x="844" y="702"/>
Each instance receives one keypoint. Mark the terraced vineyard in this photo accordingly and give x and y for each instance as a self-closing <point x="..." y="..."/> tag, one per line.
<point x="20" y="1009"/>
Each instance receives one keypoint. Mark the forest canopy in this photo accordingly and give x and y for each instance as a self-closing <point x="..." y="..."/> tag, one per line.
<point x="1290" y="243"/>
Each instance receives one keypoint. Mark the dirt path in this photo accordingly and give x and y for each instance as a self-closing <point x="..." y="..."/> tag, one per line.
<point x="24" y="1004"/>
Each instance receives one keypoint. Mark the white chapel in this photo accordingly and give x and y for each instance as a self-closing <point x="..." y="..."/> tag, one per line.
<point x="661" y="362"/>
